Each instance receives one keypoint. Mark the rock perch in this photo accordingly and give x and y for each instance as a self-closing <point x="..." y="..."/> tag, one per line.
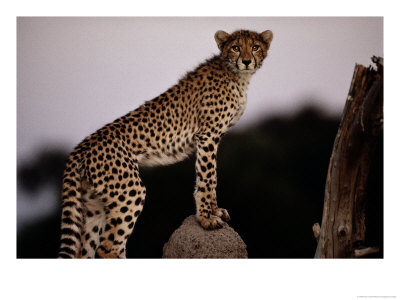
<point x="190" y="240"/>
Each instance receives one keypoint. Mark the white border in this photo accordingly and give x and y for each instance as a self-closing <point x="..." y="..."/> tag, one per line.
<point x="197" y="279"/>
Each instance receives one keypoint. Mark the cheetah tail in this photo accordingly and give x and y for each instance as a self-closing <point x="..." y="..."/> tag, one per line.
<point x="71" y="220"/>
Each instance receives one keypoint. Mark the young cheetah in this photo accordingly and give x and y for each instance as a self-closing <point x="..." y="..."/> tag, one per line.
<point x="103" y="195"/>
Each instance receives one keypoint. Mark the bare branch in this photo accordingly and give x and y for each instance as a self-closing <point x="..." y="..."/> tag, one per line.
<point x="317" y="230"/>
<point x="365" y="251"/>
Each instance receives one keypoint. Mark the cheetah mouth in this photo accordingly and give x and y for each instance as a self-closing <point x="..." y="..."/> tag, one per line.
<point x="242" y="68"/>
<point x="246" y="68"/>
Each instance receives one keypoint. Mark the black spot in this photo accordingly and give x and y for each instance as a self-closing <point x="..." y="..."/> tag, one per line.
<point x="67" y="221"/>
<point x="111" y="237"/>
<point x="67" y="250"/>
<point x="67" y="231"/>
<point x="128" y="218"/>
<point x="69" y="203"/>
<point x="67" y="241"/>
<point x="121" y="198"/>
<point x="132" y="193"/>
<point x="112" y="205"/>
<point x="93" y="245"/>
<point x="121" y="232"/>
<point x="124" y="209"/>
<point x="72" y="193"/>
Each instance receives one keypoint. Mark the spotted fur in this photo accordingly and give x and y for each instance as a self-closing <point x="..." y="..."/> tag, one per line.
<point x="103" y="195"/>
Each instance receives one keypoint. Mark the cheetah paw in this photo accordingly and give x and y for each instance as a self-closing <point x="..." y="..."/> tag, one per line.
<point x="211" y="223"/>
<point x="222" y="213"/>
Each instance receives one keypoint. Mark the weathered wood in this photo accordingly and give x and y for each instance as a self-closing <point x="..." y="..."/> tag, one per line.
<point x="365" y="251"/>
<point x="343" y="222"/>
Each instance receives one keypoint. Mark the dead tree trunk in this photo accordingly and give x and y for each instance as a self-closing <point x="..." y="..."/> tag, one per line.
<point x="342" y="229"/>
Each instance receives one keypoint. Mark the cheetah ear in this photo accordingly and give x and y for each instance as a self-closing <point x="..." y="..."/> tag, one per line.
<point x="221" y="37"/>
<point x="267" y="36"/>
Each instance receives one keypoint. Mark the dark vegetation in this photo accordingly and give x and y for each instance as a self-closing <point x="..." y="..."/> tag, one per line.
<point x="271" y="178"/>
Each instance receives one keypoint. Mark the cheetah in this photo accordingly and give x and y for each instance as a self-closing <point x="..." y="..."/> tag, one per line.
<point x="102" y="193"/>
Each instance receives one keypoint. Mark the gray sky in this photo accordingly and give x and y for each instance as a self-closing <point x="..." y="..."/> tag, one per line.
<point x="76" y="74"/>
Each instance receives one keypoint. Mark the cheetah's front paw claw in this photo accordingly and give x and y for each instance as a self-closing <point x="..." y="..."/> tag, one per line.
<point x="211" y="223"/>
<point x="222" y="213"/>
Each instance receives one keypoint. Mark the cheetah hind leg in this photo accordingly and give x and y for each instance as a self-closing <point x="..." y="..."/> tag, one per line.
<point x="94" y="222"/>
<point x="121" y="212"/>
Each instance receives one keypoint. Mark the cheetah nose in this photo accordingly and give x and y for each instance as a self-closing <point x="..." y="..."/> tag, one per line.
<point x="246" y="62"/>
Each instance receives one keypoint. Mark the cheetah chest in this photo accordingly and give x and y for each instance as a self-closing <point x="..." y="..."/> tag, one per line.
<point x="240" y="106"/>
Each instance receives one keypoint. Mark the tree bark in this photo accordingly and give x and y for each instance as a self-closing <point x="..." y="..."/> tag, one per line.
<point x="342" y="231"/>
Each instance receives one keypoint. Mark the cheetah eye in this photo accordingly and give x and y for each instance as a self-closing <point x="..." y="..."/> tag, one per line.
<point x="256" y="47"/>
<point x="236" y="48"/>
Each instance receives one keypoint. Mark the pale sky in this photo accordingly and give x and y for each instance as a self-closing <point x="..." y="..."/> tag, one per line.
<point x="76" y="74"/>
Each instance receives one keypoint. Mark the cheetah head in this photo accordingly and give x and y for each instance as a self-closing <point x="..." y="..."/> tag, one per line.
<point x="243" y="50"/>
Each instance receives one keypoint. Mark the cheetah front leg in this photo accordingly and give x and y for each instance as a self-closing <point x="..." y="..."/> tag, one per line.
<point x="207" y="211"/>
